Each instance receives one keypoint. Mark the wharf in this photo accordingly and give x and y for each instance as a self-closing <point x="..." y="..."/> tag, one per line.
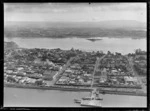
<point x="91" y="103"/>
<point x="73" y="89"/>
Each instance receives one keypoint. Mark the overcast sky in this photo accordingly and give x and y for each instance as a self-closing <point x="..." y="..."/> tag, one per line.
<point x="74" y="12"/>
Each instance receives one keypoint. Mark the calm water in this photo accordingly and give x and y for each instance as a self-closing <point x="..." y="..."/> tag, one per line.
<point x="18" y="97"/>
<point x="123" y="45"/>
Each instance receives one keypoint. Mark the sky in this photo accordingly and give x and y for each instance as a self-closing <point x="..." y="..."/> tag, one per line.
<point x="74" y="12"/>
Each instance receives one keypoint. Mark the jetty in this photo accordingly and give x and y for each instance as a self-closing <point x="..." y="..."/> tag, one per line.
<point x="92" y="101"/>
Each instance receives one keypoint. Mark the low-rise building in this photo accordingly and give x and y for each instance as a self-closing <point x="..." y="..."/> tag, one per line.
<point x="130" y="79"/>
<point x="20" y="68"/>
<point x="69" y="71"/>
<point x="47" y="73"/>
<point x="81" y="80"/>
<point x="72" y="82"/>
<point x="9" y="71"/>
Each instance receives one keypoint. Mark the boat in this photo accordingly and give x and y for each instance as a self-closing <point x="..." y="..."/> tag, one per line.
<point x="91" y="103"/>
<point x="89" y="98"/>
<point x="93" y="40"/>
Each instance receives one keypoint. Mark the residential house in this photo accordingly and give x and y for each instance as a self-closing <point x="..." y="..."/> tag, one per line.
<point x="9" y="71"/>
<point x="69" y="71"/>
<point x="47" y="73"/>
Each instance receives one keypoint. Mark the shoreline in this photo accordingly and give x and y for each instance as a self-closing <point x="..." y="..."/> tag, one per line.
<point x="82" y="37"/>
<point x="75" y="90"/>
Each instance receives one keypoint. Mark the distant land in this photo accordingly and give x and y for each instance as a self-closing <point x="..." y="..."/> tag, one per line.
<point x="114" y="28"/>
<point x="10" y="45"/>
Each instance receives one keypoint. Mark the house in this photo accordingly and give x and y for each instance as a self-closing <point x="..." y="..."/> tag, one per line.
<point x="21" y="72"/>
<point x="97" y="77"/>
<point x="61" y="80"/>
<point x="136" y="61"/>
<point x="11" y="79"/>
<point x="32" y="80"/>
<point x="89" y="81"/>
<point x="5" y="68"/>
<point x="97" y="73"/>
<point x="39" y="82"/>
<point x="88" y="75"/>
<point x="69" y="71"/>
<point x="103" y="74"/>
<point x="21" y="81"/>
<point x="9" y="71"/>
<point x="49" y="62"/>
<point x="81" y="80"/>
<point x="119" y="69"/>
<point x="130" y="79"/>
<point x="20" y="68"/>
<point x="47" y="73"/>
<point x="78" y="77"/>
<point x="114" y="71"/>
<point x="37" y="61"/>
<point x="102" y="79"/>
<point x="64" y="77"/>
<point x="104" y="70"/>
<point x="73" y="66"/>
<point x="71" y="82"/>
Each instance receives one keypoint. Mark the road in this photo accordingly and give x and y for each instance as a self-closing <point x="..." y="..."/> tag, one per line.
<point x="130" y="59"/>
<point x="68" y="64"/>
<point x="95" y="68"/>
<point x="144" y="89"/>
<point x="62" y="70"/>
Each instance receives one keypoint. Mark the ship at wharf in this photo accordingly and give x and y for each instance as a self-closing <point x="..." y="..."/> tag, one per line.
<point x="92" y="101"/>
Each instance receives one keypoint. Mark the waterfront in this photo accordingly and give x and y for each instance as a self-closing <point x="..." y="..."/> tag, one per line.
<point x="54" y="98"/>
<point x="57" y="53"/>
<point x="18" y="97"/>
<point x="122" y="45"/>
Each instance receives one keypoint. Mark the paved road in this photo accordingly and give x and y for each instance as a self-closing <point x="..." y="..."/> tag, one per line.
<point x="144" y="89"/>
<point x="95" y="68"/>
<point x="62" y="70"/>
<point x="68" y="64"/>
<point x="133" y="71"/>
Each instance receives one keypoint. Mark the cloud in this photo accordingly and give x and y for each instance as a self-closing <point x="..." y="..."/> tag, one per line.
<point x="34" y="8"/>
<point x="130" y="6"/>
<point x="69" y="7"/>
<point x="77" y="11"/>
<point x="117" y="7"/>
<point x="100" y="7"/>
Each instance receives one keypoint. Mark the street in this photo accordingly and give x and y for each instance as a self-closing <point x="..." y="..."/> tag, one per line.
<point x="95" y="68"/>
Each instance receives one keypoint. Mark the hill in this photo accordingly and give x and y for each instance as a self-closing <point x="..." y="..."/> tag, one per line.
<point x="117" y="28"/>
<point x="10" y="45"/>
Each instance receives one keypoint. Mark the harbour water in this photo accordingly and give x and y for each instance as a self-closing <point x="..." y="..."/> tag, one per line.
<point x="19" y="97"/>
<point x="122" y="45"/>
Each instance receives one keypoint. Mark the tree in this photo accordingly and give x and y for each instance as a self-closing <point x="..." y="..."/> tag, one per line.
<point x="39" y="82"/>
<point x="11" y="79"/>
<point x="72" y="49"/>
<point x="140" y="52"/>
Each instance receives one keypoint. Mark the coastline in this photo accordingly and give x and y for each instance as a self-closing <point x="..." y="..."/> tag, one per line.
<point x="82" y="37"/>
<point x="75" y="89"/>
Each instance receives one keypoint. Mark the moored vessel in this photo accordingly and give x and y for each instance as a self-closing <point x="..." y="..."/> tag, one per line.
<point x="92" y="101"/>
